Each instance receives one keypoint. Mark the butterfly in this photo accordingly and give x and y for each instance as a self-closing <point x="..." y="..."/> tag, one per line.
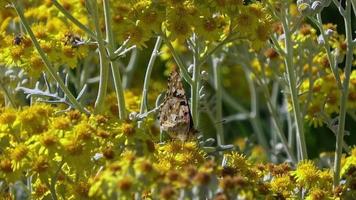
<point x="174" y="115"/>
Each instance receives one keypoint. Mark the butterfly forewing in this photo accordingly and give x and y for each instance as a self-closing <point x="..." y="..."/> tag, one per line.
<point x="175" y="117"/>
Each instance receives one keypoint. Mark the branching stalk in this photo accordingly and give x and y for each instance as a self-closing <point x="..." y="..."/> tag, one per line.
<point x="73" y="19"/>
<point x="178" y="60"/>
<point x="104" y="63"/>
<point x="195" y="85"/>
<point x="344" y="94"/>
<point x="114" y="64"/>
<point x="8" y="95"/>
<point x="218" y="94"/>
<point x="155" y="53"/>
<point x="331" y="59"/>
<point x="293" y="86"/>
<point x="48" y="64"/>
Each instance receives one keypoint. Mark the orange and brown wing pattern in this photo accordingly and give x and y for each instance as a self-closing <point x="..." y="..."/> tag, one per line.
<point x="175" y="117"/>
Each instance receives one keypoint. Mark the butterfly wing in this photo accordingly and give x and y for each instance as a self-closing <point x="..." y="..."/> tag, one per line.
<point x="175" y="117"/>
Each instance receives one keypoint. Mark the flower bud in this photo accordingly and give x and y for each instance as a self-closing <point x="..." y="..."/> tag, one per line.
<point x="204" y="75"/>
<point x="317" y="6"/>
<point x="304" y="7"/>
<point x="329" y="32"/>
<point x="133" y="116"/>
<point x="321" y="39"/>
<point x="190" y="68"/>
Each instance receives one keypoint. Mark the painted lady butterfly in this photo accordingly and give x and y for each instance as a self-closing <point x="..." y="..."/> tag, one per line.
<point x="174" y="116"/>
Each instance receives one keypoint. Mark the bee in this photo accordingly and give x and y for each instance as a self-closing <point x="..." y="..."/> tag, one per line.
<point x="17" y="40"/>
<point x="73" y="40"/>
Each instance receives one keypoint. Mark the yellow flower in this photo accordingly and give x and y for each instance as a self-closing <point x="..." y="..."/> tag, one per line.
<point x="35" y="119"/>
<point x="210" y="28"/>
<point x="319" y="194"/>
<point x="40" y="165"/>
<point x="137" y="34"/>
<point x="7" y="170"/>
<point x="178" y="24"/>
<point x="306" y="174"/>
<point x="179" y="155"/>
<point x="16" y="51"/>
<point x="40" y="190"/>
<point x="80" y="189"/>
<point x="246" y="22"/>
<point x="18" y="153"/>
<point x="350" y="163"/>
<point x="238" y="162"/>
<point x="152" y="18"/>
<point x="76" y="153"/>
<point x="282" y="185"/>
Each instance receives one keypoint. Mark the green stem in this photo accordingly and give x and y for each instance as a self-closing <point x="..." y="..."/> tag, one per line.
<point x="104" y="63"/>
<point x="277" y="124"/>
<point x="7" y="95"/>
<point x="46" y="61"/>
<point x="195" y="85"/>
<point x="344" y="94"/>
<point x="274" y="114"/>
<point x="331" y="59"/>
<point x="73" y="19"/>
<point x="254" y="116"/>
<point x="293" y="86"/>
<point x="218" y="94"/>
<point x="114" y="64"/>
<point x="155" y="53"/>
<point x="178" y="60"/>
<point x="130" y="69"/>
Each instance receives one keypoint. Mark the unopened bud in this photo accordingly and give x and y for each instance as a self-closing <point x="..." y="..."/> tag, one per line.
<point x="317" y="6"/>
<point x="204" y="75"/>
<point x="190" y="68"/>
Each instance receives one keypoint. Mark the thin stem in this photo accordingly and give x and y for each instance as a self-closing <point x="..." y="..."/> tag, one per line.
<point x="277" y="124"/>
<point x="293" y="86"/>
<point x="331" y="58"/>
<point x="195" y="85"/>
<point x="46" y="61"/>
<point x="73" y="19"/>
<point x="155" y="53"/>
<point x="344" y="94"/>
<point x="130" y="69"/>
<point x="125" y="51"/>
<point x="354" y="8"/>
<point x="217" y="47"/>
<point x="338" y="5"/>
<point x="232" y="102"/>
<point x="271" y="102"/>
<point x="218" y="95"/>
<point x="178" y="60"/>
<point x="114" y="64"/>
<point x="254" y="110"/>
<point x="7" y="94"/>
<point x="104" y="64"/>
<point x="278" y="47"/>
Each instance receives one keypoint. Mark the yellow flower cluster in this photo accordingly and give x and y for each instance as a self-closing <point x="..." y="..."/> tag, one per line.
<point x="59" y="39"/>
<point x="75" y="156"/>
<point x="136" y="20"/>
<point x="36" y="142"/>
<point x="318" y="89"/>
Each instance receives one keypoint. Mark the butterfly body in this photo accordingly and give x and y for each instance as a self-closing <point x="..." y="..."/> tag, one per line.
<point x="175" y="117"/>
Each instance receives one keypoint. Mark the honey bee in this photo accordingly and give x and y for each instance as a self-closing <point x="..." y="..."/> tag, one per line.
<point x="73" y="40"/>
<point x="17" y="40"/>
